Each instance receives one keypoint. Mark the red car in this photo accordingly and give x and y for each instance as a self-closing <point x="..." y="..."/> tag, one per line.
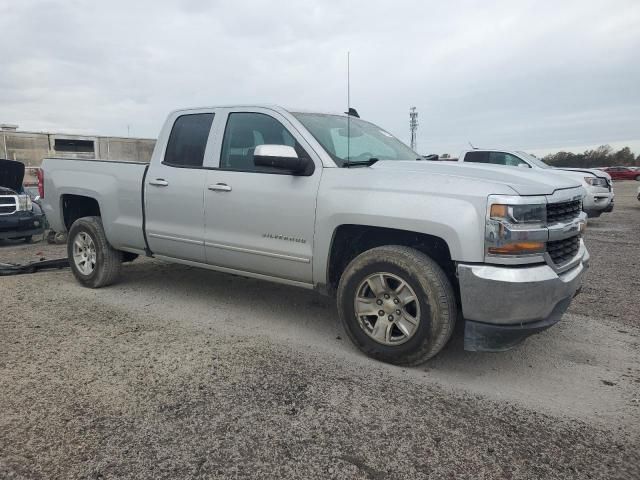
<point x="623" y="173"/>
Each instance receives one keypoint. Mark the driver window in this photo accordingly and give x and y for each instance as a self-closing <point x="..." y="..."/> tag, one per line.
<point x="501" y="158"/>
<point x="244" y="132"/>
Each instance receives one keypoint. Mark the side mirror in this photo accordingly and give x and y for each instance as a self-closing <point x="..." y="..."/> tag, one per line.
<point x="283" y="157"/>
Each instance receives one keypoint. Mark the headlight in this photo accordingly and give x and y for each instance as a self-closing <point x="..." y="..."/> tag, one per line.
<point x="24" y="203"/>
<point x="519" y="214"/>
<point x="514" y="227"/>
<point x="596" y="181"/>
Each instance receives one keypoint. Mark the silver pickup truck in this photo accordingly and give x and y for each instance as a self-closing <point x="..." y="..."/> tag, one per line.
<point x="336" y="204"/>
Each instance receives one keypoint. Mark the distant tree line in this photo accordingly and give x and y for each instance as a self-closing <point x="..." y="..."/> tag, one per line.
<point x="603" y="156"/>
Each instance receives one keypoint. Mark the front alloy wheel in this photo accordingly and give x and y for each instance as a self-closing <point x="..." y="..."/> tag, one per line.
<point x="387" y="308"/>
<point x="396" y="304"/>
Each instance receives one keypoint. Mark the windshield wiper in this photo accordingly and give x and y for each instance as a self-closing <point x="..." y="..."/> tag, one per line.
<point x="366" y="163"/>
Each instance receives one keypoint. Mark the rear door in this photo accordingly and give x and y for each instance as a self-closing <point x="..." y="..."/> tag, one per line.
<point x="174" y="189"/>
<point x="259" y="219"/>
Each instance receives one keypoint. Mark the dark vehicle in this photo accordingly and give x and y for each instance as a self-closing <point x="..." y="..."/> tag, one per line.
<point x="20" y="217"/>
<point x="622" y="173"/>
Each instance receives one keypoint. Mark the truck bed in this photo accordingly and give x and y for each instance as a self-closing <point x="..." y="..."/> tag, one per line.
<point x="117" y="187"/>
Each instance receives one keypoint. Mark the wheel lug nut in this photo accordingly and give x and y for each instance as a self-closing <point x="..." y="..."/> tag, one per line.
<point x="398" y="312"/>
<point x="386" y="295"/>
<point x="379" y="302"/>
<point x="390" y="317"/>
<point x="381" y="313"/>
<point x="396" y="301"/>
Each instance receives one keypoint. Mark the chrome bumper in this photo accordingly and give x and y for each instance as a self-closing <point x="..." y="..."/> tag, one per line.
<point x="511" y="296"/>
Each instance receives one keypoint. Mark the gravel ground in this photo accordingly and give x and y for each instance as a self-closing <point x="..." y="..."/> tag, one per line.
<point x="184" y="373"/>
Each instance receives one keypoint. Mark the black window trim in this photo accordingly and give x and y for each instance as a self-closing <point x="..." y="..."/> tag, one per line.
<point x="226" y="125"/>
<point x="204" y="154"/>
<point x="489" y="152"/>
<point x="507" y="153"/>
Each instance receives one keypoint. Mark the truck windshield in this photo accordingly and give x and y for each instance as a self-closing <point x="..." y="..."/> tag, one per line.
<point x="359" y="142"/>
<point x="533" y="160"/>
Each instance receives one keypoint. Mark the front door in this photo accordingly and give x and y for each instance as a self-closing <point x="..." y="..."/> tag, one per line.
<point x="258" y="219"/>
<point x="174" y="186"/>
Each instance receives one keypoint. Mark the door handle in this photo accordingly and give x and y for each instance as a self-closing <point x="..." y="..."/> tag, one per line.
<point x="159" y="182"/>
<point x="220" y="187"/>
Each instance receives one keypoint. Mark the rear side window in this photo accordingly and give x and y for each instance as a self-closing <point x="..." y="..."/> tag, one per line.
<point x="477" y="157"/>
<point x="494" y="158"/>
<point x="188" y="140"/>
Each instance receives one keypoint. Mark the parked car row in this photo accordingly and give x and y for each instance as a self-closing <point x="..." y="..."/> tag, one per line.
<point x="623" y="173"/>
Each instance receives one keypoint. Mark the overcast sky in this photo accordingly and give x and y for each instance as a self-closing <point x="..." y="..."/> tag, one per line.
<point x="534" y="75"/>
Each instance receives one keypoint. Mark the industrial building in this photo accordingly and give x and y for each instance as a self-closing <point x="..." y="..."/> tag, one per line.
<point x="31" y="147"/>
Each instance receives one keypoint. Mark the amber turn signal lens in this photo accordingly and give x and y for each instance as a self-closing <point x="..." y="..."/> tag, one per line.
<point x="498" y="211"/>
<point x="518" y="248"/>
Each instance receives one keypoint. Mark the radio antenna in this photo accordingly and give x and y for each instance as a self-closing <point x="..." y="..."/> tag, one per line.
<point x="348" y="106"/>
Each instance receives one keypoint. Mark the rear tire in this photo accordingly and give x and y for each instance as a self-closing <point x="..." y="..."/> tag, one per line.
<point x="405" y="273"/>
<point x="94" y="262"/>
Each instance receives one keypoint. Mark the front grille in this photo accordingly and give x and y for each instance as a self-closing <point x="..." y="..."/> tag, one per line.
<point x="8" y="205"/>
<point x="563" y="211"/>
<point x="561" y="251"/>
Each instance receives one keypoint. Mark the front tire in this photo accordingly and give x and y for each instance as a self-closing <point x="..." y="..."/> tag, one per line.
<point x="94" y="262"/>
<point x="397" y="305"/>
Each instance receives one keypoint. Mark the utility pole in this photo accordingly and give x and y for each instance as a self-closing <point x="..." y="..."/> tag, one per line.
<point x="413" y="127"/>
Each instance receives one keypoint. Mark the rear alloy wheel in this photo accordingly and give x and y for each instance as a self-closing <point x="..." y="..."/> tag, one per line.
<point x="84" y="253"/>
<point x="93" y="261"/>
<point x="397" y="305"/>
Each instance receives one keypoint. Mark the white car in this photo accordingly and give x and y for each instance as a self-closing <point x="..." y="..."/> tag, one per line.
<point x="598" y="199"/>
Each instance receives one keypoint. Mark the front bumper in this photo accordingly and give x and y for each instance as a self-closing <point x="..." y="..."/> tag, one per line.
<point x="504" y="305"/>
<point x="598" y="201"/>
<point x="21" y="224"/>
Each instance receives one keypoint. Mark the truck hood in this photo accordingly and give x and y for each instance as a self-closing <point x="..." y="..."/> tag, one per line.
<point x="11" y="174"/>
<point x="522" y="181"/>
<point x="592" y="171"/>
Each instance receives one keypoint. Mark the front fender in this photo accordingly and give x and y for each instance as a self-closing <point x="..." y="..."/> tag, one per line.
<point x="458" y="220"/>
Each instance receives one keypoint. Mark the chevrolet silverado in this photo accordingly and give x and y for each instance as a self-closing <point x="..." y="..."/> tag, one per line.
<point x="337" y="204"/>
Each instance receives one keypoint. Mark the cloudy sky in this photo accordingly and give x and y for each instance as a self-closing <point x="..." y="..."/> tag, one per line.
<point x="522" y="74"/>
